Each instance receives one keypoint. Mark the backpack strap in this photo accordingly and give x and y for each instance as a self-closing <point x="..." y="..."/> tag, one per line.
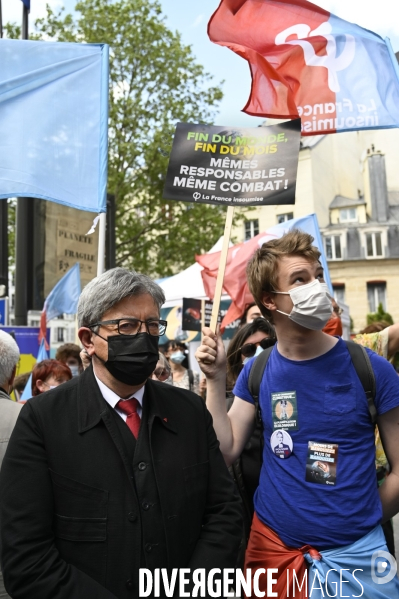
<point x="364" y="371"/>
<point x="255" y="377"/>
<point x="190" y="379"/>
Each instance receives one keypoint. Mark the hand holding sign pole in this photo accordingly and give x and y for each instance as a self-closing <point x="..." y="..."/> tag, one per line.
<point x="222" y="268"/>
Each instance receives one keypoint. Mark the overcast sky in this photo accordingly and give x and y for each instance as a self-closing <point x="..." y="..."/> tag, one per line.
<point x="191" y="18"/>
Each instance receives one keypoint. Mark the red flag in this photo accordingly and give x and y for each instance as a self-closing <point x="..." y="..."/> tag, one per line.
<point x="279" y="72"/>
<point x="309" y="63"/>
<point x="43" y="329"/>
<point x="235" y="280"/>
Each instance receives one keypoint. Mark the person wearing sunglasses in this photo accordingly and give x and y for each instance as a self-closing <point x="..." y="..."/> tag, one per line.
<point x="247" y="343"/>
<point x="112" y="471"/>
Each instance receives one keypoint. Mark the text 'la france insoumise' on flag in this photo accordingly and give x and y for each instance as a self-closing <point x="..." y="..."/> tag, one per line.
<point x="306" y="62"/>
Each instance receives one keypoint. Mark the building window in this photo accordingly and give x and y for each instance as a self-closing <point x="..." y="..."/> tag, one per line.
<point x="251" y="228"/>
<point x="333" y="247"/>
<point x="60" y="335"/>
<point x="339" y="292"/>
<point x="348" y="215"/>
<point x="373" y="245"/>
<point x="282" y="218"/>
<point x="376" y="295"/>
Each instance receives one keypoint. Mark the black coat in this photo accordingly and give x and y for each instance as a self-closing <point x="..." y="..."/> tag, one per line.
<point x="70" y="516"/>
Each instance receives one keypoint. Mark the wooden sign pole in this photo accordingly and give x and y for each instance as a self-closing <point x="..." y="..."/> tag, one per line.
<point x="222" y="268"/>
<point x="202" y="317"/>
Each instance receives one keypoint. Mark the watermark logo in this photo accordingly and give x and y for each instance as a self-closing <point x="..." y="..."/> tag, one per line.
<point x="196" y="195"/>
<point x="330" y="60"/>
<point x="383" y="567"/>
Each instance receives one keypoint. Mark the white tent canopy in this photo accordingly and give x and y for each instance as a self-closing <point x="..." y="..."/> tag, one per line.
<point x="187" y="283"/>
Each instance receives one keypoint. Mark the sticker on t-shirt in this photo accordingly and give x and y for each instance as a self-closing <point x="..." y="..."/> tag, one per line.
<point x="321" y="465"/>
<point x="284" y="410"/>
<point x="281" y="444"/>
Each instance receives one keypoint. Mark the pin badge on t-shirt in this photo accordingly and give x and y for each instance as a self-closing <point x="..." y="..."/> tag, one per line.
<point x="321" y="465"/>
<point x="285" y="410"/>
<point x="281" y="444"/>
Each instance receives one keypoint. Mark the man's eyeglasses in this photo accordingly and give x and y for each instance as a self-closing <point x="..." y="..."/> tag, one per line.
<point x="132" y="326"/>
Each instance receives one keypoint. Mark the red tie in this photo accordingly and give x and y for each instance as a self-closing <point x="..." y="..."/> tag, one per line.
<point x="129" y="407"/>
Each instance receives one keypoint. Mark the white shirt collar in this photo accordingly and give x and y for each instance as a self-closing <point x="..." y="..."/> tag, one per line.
<point x="112" y="398"/>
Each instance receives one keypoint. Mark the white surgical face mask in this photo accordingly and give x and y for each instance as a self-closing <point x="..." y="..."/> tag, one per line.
<point x="177" y="357"/>
<point x="312" y="305"/>
<point x="74" y="370"/>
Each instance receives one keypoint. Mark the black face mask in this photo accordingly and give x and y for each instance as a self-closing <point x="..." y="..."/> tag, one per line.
<point x="132" y="359"/>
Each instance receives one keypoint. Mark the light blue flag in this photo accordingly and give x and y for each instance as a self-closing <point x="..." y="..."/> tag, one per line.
<point x="42" y="355"/>
<point x="64" y="297"/>
<point x="308" y="224"/>
<point x="54" y="122"/>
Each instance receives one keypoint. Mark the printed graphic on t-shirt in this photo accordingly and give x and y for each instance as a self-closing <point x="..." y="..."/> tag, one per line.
<point x="281" y="444"/>
<point x="284" y="410"/>
<point x="321" y="464"/>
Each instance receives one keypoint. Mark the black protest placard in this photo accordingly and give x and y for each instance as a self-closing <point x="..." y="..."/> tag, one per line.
<point x="234" y="166"/>
<point x="192" y="314"/>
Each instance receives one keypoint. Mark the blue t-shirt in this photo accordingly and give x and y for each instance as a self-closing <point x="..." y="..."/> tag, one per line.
<point x="331" y="408"/>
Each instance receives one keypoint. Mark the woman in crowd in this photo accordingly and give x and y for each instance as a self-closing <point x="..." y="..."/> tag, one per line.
<point x="245" y="344"/>
<point x="69" y="354"/>
<point x="176" y="353"/>
<point x="49" y="374"/>
<point x="248" y="342"/>
<point x="250" y="313"/>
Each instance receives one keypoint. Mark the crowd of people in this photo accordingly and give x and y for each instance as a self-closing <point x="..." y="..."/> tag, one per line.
<point x="125" y="458"/>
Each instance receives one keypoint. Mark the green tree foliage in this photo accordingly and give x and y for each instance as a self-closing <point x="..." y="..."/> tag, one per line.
<point x="12" y="31"/>
<point x="154" y="83"/>
<point x="379" y="316"/>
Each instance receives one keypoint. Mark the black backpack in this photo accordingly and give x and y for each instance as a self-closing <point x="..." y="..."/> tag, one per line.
<point x="360" y="360"/>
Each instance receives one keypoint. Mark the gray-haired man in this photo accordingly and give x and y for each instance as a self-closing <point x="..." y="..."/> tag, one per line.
<point x="9" y="410"/>
<point x="113" y="472"/>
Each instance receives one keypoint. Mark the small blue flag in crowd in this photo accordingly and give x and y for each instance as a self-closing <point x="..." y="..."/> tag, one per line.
<point x="42" y="355"/>
<point x="63" y="299"/>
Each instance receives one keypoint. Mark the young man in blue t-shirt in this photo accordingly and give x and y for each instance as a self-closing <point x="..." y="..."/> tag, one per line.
<point x="319" y="497"/>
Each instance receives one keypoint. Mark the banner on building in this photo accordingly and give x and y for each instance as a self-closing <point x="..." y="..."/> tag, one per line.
<point x="4" y="311"/>
<point x="67" y="243"/>
<point x="27" y="340"/>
